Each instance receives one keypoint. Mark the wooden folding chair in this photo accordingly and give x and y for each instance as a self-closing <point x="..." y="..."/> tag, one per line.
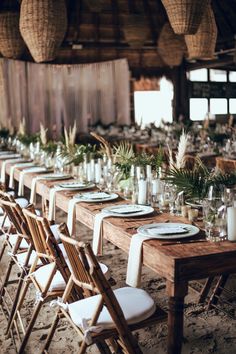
<point x="21" y="251"/>
<point x="102" y="314"/>
<point x="50" y="279"/>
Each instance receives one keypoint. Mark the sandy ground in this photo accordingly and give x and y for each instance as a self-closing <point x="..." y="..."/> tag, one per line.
<point x="204" y="332"/>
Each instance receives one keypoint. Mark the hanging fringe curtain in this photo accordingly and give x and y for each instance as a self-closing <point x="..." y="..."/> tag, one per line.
<point x="57" y="94"/>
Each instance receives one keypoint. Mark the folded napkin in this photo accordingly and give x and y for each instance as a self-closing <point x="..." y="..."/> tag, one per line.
<point x="33" y="186"/>
<point x="134" y="268"/>
<point x="97" y="233"/>
<point x="96" y="195"/>
<point x="9" y="156"/>
<point x="22" y="175"/>
<point x="71" y="216"/>
<point x="52" y="201"/>
<point x="4" y="164"/>
<point x="12" y="170"/>
<point x="168" y="230"/>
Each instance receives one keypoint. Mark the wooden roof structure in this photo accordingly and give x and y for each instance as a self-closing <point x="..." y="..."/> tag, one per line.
<point x="96" y="32"/>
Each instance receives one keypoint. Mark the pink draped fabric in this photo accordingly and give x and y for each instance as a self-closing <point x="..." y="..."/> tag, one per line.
<point x="56" y="95"/>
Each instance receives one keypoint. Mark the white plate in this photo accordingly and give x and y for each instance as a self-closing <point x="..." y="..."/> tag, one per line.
<point x="93" y="197"/>
<point x="76" y="185"/>
<point x="57" y="176"/>
<point x="146" y="230"/>
<point x="127" y="210"/>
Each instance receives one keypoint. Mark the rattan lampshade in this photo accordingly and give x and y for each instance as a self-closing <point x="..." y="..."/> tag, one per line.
<point x="11" y="42"/>
<point x="185" y="15"/>
<point x="43" y="25"/>
<point x="171" y="46"/>
<point x="202" y="44"/>
<point x="136" y="30"/>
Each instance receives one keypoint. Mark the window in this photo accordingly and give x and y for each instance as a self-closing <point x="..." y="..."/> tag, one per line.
<point x="198" y="75"/>
<point x="154" y="106"/>
<point x="218" y="75"/>
<point x="198" y="108"/>
<point x="232" y="106"/>
<point x="214" y="96"/>
<point x="232" y="76"/>
<point x="218" y="106"/>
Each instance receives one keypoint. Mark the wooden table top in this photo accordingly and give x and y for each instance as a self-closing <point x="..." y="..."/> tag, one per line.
<point x="178" y="262"/>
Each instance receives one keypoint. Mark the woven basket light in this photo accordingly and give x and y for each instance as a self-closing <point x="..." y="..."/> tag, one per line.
<point x="171" y="46"/>
<point x="43" y="25"/>
<point x="202" y="44"/>
<point x="11" y="42"/>
<point x="185" y="15"/>
<point x="136" y="30"/>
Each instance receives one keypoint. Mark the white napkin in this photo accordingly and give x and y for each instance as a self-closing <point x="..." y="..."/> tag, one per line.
<point x="52" y="201"/>
<point x="134" y="268"/>
<point x="22" y="175"/>
<point x="71" y="216"/>
<point x="4" y="164"/>
<point x="9" y="156"/>
<point x="33" y="186"/>
<point x="97" y="233"/>
<point x="12" y="170"/>
<point x="162" y="230"/>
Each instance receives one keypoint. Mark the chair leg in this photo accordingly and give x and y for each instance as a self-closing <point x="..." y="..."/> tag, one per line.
<point x="30" y="327"/>
<point x="16" y="299"/>
<point x="205" y="290"/>
<point x="6" y="278"/>
<point x="51" y="333"/>
<point x="19" y="305"/>
<point x="103" y="347"/>
<point x="3" y="250"/>
<point x="217" y="291"/>
<point x="83" y="348"/>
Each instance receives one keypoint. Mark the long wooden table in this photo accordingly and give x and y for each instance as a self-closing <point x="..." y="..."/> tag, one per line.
<point x="178" y="263"/>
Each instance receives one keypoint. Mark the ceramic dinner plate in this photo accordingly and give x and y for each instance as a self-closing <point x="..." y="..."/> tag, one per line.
<point x="167" y="231"/>
<point x="127" y="210"/>
<point x="57" y="176"/>
<point x="94" y="197"/>
<point x="76" y="185"/>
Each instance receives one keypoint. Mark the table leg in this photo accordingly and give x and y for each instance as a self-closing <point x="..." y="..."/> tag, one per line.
<point x="176" y="293"/>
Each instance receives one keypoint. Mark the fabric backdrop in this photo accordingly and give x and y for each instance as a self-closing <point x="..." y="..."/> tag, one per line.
<point x="59" y="94"/>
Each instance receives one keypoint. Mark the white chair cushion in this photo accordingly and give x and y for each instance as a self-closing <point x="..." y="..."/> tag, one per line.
<point x="42" y="274"/>
<point x="136" y="305"/>
<point x="21" y="257"/>
<point x="54" y="229"/>
<point x="23" y="203"/>
<point x="103" y="266"/>
<point x="13" y="238"/>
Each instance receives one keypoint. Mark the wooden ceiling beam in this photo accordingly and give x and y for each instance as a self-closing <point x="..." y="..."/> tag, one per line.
<point x="116" y="20"/>
<point x="148" y="12"/>
<point x="222" y="62"/>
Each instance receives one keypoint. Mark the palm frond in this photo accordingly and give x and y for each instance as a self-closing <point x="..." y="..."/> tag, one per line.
<point x="123" y="152"/>
<point x="105" y="144"/>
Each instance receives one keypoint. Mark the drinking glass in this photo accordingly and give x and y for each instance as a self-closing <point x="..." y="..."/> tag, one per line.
<point x="215" y="220"/>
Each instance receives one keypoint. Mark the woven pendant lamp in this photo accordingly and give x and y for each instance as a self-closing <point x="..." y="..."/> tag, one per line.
<point x="43" y="25"/>
<point x="185" y="15"/>
<point x="136" y="30"/>
<point x="202" y="44"/>
<point x="171" y="46"/>
<point x="11" y="42"/>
